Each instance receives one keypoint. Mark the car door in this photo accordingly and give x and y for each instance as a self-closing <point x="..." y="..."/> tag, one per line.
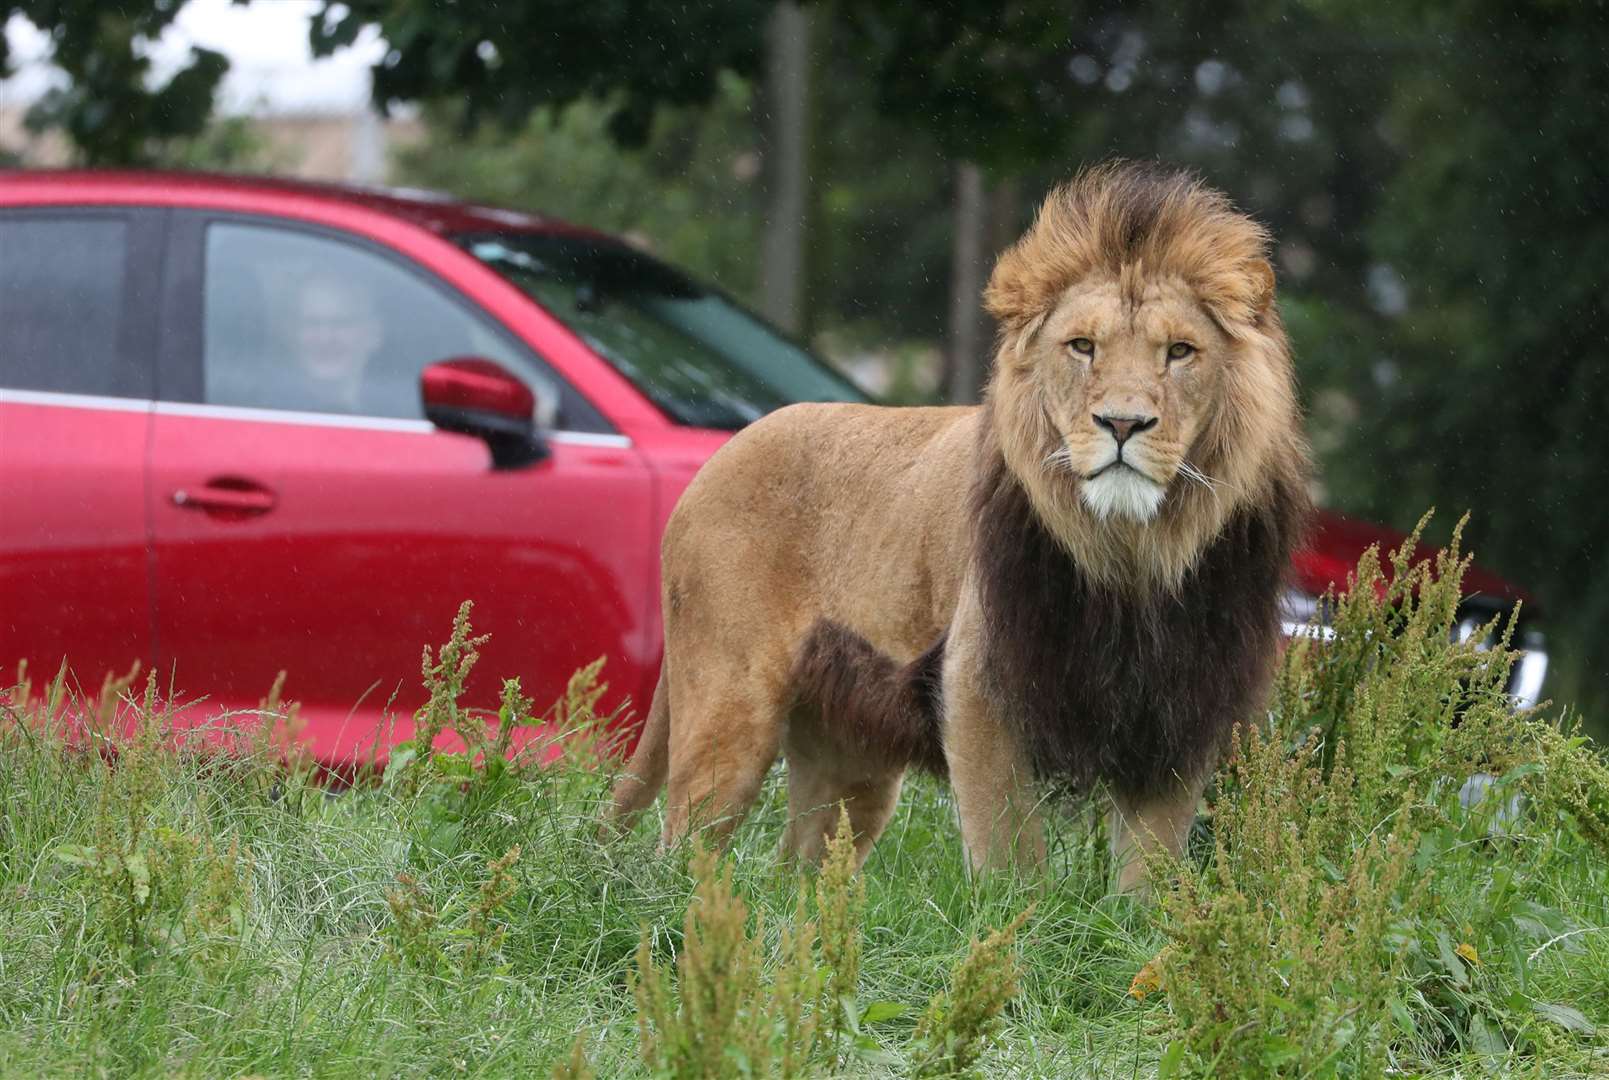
<point x="308" y="520"/>
<point x="77" y="295"/>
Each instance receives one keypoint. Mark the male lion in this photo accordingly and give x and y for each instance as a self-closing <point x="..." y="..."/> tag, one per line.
<point x="1075" y="583"/>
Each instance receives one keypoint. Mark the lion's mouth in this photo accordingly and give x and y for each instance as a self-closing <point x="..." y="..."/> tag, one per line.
<point x="1118" y="466"/>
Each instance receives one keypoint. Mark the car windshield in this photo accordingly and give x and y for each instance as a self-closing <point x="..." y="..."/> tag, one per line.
<point x="698" y="355"/>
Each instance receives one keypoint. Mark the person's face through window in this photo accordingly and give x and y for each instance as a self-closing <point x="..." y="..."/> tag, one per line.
<point x="336" y="333"/>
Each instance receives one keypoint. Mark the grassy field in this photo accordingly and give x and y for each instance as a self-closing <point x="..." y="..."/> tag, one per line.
<point x="1343" y="912"/>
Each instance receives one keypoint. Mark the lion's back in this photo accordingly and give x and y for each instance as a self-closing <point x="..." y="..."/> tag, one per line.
<point x="812" y="459"/>
<point x="818" y="502"/>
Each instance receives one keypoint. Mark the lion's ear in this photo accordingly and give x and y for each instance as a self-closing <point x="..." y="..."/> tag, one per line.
<point x="1261" y="274"/>
<point x="1006" y="296"/>
<point x="1021" y="287"/>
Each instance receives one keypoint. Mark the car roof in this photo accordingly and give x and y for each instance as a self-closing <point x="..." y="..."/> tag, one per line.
<point x="431" y="210"/>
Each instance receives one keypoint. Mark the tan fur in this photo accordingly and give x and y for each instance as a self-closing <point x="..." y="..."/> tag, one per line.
<point x="859" y="515"/>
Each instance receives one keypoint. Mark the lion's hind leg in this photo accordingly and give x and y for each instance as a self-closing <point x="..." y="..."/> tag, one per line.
<point x="821" y="778"/>
<point x="727" y="734"/>
<point x="861" y="720"/>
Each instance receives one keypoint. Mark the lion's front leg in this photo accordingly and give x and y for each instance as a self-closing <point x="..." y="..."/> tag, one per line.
<point x="994" y="790"/>
<point x="1139" y="826"/>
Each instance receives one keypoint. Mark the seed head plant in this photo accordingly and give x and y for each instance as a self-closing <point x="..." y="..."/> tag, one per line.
<point x="963" y="1020"/>
<point x="716" y="1021"/>
<point x="840" y="909"/>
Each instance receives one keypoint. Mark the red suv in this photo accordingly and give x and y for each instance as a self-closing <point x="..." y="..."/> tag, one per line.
<point x="248" y="425"/>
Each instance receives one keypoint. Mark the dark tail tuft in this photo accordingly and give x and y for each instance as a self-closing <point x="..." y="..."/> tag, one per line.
<point x="877" y="706"/>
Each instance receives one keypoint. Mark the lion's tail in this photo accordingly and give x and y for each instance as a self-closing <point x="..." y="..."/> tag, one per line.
<point x="645" y="773"/>
<point x="872" y="702"/>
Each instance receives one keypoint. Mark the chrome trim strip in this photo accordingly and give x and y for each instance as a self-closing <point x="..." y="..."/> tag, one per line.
<point x="73" y="401"/>
<point x="1308" y="630"/>
<point x="291" y="416"/>
<point x="275" y="416"/>
<point x="589" y="438"/>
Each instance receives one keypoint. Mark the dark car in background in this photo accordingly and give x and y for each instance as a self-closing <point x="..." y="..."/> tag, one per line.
<point x="249" y="425"/>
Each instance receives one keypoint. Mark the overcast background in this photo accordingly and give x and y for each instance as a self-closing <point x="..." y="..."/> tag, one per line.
<point x="271" y="68"/>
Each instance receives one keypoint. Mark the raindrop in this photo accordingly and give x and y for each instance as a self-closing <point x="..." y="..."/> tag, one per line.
<point x="1388" y="292"/>
<point x="1084" y="68"/>
<point x="1211" y="75"/>
<point x="1296" y="128"/>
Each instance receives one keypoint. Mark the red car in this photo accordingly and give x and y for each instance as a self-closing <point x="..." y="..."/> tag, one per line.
<point x="249" y="425"/>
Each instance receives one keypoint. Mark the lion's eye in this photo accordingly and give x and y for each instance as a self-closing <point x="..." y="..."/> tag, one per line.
<point x="1180" y="349"/>
<point x="1083" y="346"/>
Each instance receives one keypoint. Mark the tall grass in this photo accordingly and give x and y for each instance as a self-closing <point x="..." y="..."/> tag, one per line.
<point x="1353" y="903"/>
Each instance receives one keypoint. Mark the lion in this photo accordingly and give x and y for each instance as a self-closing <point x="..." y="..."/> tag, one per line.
<point x="1073" y="585"/>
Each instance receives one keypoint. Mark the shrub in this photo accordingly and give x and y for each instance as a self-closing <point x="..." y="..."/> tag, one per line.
<point x="964" y="1019"/>
<point x="720" y="1018"/>
<point x="1328" y="929"/>
<point x="155" y="891"/>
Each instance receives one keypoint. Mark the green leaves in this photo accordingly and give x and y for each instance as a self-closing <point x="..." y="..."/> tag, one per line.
<point x="1567" y="1017"/>
<point x="1451" y="962"/>
<point x="878" y="1011"/>
<point x="139" y="877"/>
<point x="501" y="62"/>
<point x="109" y="109"/>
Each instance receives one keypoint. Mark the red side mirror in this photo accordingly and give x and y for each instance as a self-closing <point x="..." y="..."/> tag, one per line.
<point x="478" y="385"/>
<point x="474" y="396"/>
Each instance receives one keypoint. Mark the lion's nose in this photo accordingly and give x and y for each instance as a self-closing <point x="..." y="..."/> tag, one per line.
<point x="1122" y="427"/>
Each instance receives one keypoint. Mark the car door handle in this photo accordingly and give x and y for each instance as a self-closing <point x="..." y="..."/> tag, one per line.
<point x="229" y="496"/>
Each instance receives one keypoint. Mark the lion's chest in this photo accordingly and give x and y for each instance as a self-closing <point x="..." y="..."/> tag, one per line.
<point x="1101" y="686"/>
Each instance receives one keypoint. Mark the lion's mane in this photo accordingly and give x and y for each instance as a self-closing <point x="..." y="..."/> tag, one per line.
<point x="1119" y="651"/>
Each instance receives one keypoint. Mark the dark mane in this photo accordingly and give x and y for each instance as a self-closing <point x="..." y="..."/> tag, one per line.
<point x="1137" y="691"/>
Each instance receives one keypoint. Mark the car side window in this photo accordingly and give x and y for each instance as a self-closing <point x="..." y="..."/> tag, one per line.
<point x="298" y="321"/>
<point x="63" y="289"/>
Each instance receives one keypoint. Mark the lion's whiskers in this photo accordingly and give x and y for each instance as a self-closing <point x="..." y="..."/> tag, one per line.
<point x="1060" y="459"/>
<point x="1196" y="476"/>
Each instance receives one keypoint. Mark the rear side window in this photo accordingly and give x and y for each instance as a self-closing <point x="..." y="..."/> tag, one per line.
<point x="63" y="290"/>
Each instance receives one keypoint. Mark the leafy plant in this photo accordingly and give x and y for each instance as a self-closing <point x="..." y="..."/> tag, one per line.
<point x="469" y="797"/>
<point x="1330" y="925"/>
<point x="962" y="1021"/>
<point x="719" y="1018"/>
<point x="155" y="890"/>
<point x="466" y="935"/>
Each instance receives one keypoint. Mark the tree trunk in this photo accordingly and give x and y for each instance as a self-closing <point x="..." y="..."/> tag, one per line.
<point x="985" y="222"/>
<point x="964" y="364"/>
<point x="782" y="255"/>
<point x="1005" y="206"/>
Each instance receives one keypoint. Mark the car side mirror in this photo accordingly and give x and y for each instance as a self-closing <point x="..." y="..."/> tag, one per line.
<point x="474" y="396"/>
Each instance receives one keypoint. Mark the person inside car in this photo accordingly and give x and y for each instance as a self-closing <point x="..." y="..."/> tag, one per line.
<point x="334" y="336"/>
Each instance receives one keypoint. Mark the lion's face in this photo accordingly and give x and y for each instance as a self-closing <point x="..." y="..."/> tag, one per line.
<point x="1129" y="373"/>
<point x="1143" y="389"/>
